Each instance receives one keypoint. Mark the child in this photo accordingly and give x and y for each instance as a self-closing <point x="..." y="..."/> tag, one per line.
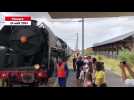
<point x="88" y="80"/>
<point x="100" y="75"/>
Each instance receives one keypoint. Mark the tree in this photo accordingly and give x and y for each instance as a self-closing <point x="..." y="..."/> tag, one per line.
<point x="88" y="52"/>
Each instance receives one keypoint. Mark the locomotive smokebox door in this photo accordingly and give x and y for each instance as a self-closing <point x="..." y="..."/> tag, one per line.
<point x="23" y="39"/>
<point x="3" y="56"/>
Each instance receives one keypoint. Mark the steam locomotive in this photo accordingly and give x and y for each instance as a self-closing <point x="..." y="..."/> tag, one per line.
<point x="21" y="47"/>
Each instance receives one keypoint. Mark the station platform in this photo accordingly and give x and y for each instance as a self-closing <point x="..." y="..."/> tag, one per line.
<point x="112" y="80"/>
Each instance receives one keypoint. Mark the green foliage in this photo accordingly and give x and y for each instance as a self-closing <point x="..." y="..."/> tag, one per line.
<point x="88" y="52"/>
<point x="110" y="63"/>
<point x="99" y="57"/>
<point x="131" y="58"/>
<point x="113" y="64"/>
<point x="126" y="55"/>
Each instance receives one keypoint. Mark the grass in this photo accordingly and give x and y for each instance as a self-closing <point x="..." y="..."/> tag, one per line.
<point x="113" y="64"/>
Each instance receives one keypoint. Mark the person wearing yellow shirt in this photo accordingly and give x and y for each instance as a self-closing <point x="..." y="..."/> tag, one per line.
<point x="100" y="75"/>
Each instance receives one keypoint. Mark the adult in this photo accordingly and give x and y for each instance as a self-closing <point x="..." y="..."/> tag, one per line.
<point x="74" y="63"/>
<point x="66" y="68"/>
<point x="88" y="80"/>
<point x="124" y="65"/>
<point x="79" y="64"/>
<point x="85" y="65"/>
<point x="89" y="58"/>
<point x="62" y="72"/>
<point x="94" y="60"/>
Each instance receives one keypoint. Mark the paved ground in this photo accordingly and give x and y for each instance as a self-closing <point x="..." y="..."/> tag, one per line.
<point x="72" y="82"/>
<point x="112" y="79"/>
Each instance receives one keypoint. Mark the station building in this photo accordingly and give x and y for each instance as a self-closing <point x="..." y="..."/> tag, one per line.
<point x="112" y="47"/>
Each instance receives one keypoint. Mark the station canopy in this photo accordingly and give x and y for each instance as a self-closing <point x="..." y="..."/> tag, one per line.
<point x="60" y="15"/>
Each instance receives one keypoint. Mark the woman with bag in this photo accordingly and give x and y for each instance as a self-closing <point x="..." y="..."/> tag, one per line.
<point x="88" y="80"/>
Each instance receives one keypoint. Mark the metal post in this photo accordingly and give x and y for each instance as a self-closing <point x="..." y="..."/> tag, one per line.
<point x="83" y="36"/>
<point x="77" y="42"/>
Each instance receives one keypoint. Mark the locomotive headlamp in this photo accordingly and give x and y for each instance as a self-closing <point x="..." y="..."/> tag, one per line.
<point x="37" y="66"/>
<point x="23" y="39"/>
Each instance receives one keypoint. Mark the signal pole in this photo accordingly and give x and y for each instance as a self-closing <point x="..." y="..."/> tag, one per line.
<point x="77" y="42"/>
<point x="83" y="36"/>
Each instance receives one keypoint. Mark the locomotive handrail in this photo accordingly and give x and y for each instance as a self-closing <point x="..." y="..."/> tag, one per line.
<point x="44" y="25"/>
<point x="18" y="68"/>
<point x="57" y="49"/>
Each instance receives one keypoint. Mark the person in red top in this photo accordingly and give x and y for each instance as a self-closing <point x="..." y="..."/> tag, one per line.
<point x="62" y="72"/>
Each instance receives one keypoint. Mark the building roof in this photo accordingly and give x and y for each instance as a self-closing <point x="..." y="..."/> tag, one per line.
<point x="58" y="15"/>
<point x="116" y="39"/>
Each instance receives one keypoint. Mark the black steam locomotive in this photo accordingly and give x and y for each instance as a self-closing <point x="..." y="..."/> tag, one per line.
<point x="21" y="47"/>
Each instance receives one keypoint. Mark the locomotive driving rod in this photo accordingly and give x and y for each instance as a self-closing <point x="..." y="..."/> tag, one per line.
<point x="123" y="69"/>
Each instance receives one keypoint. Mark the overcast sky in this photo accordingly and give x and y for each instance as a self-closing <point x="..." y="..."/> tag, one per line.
<point x="96" y="29"/>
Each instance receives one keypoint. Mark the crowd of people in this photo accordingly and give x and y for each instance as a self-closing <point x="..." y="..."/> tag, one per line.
<point x="89" y="71"/>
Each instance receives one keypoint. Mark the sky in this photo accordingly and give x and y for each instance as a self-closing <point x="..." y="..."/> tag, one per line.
<point x="96" y="29"/>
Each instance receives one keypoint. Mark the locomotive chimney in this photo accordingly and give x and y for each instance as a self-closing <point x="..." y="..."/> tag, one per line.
<point x="33" y="22"/>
